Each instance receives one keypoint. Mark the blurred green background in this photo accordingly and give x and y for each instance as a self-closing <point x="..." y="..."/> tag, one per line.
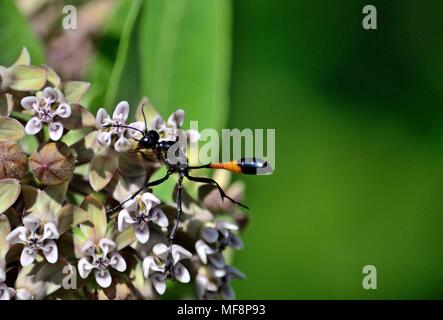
<point x="358" y="117"/>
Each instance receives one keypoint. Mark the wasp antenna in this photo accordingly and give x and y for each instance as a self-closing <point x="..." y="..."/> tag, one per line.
<point x="144" y="117"/>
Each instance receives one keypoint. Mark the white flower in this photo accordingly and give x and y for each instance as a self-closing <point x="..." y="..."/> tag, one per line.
<point x="208" y="254"/>
<point x="35" y="238"/>
<point x="24" y="294"/>
<point x="100" y="258"/>
<point x="115" y="128"/>
<point x="213" y="283"/>
<point x="139" y="212"/>
<point x="48" y="107"/>
<point x="215" y="238"/>
<point x="170" y="130"/>
<point x="221" y="235"/>
<point x="5" y="292"/>
<point x="164" y="263"/>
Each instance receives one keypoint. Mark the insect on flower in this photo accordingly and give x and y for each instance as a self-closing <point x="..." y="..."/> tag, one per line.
<point x="172" y="155"/>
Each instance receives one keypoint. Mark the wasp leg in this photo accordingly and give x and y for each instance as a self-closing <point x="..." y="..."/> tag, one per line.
<point x="220" y="190"/>
<point x="179" y="209"/>
<point x="147" y="185"/>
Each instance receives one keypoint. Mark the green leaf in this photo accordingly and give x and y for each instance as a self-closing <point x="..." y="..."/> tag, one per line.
<point x="97" y="216"/>
<point x="30" y="196"/>
<point x="48" y="202"/>
<point x="102" y="65"/>
<point x="5" y="228"/>
<point x="75" y="90"/>
<point x="69" y="216"/>
<point x="9" y="192"/>
<point x="80" y="118"/>
<point x="10" y="129"/>
<point x="86" y="148"/>
<point x="16" y="33"/>
<point x="24" y="58"/>
<point x="80" y="239"/>
<point x="125" y="238"/>
<point x="185" y="58"/>
<point x="124" y="58"/>
<point x="175" y="52"/>
<point x="53" y="77"/>
<point x="6" y="104"/>
<point x="101" y="170"/>
<point x="28" y="78"/>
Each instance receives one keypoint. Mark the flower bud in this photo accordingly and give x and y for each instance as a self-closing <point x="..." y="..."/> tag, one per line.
<point x="5" y="79"/>
<point x="53" y="163"/>
<point x="13" y="161"/>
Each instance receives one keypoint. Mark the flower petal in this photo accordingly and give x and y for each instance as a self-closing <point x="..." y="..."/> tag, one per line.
<point x="142" y="233"/>
<point x="122" y="145"/>
<point x="29" y="103"/>
<point x="138" y="125"/>
<point x="150" y="266"/>
<point x="176" y="119"/>
<point x="121" y="111"/>
<point x="33" y="126"/>
<point x="50" y="231"/>
<point x="63" y="110"/>
<point x="159" y="217"/>
<point x="5" y="292"/>
<point x="130" y="204"/>
<point x="209" y="234"/>
<point x="104" y="138"/>
<point x="84" y="267"/>
<point x="107" y="245"/>
<point x="23" y="294"/>
<point x="203" y="250"/>
<point x="179" y="253"/>
<point x="117" y="262"/>
<point x="50" y="251"/>
<point x="50" y="95"/>
<point x="18" y="235"/>
<point x="159" y="283"/>
<point x="225" y="225"/>
<point x="31" y="223"/>
<point x="233" y="273"/>
<point x="158" y="123"/>
<point x="102" y="118"/>
<point x="88" y="248"/>
<point x="181" y="273"/>
<point x="227" y="292"/>
<point x="103" y="278"/>
<point x="55" y="131"/>
<point x="161" y="250"/>
<point x="217" y="260"/>
<point x="235" y="242"/>
<point x="149" y="198"/>
<point x="28" y="256"/>
<point x="2" y="275"/>
<point x="124" y="219"/>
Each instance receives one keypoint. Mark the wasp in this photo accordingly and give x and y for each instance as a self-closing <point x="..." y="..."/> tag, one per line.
<point x="150" y="143"/>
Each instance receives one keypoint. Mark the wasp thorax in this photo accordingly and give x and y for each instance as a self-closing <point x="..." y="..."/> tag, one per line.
<point x="149" y="140"/>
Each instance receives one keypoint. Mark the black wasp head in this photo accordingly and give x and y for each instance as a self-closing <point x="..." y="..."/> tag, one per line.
<point x="149" y="139"/>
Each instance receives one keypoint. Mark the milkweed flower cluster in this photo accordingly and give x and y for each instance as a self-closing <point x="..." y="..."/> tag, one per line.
<point x="55" y="195"/>
<point x="49" y="107"/>
<point x="35" y="237"/>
